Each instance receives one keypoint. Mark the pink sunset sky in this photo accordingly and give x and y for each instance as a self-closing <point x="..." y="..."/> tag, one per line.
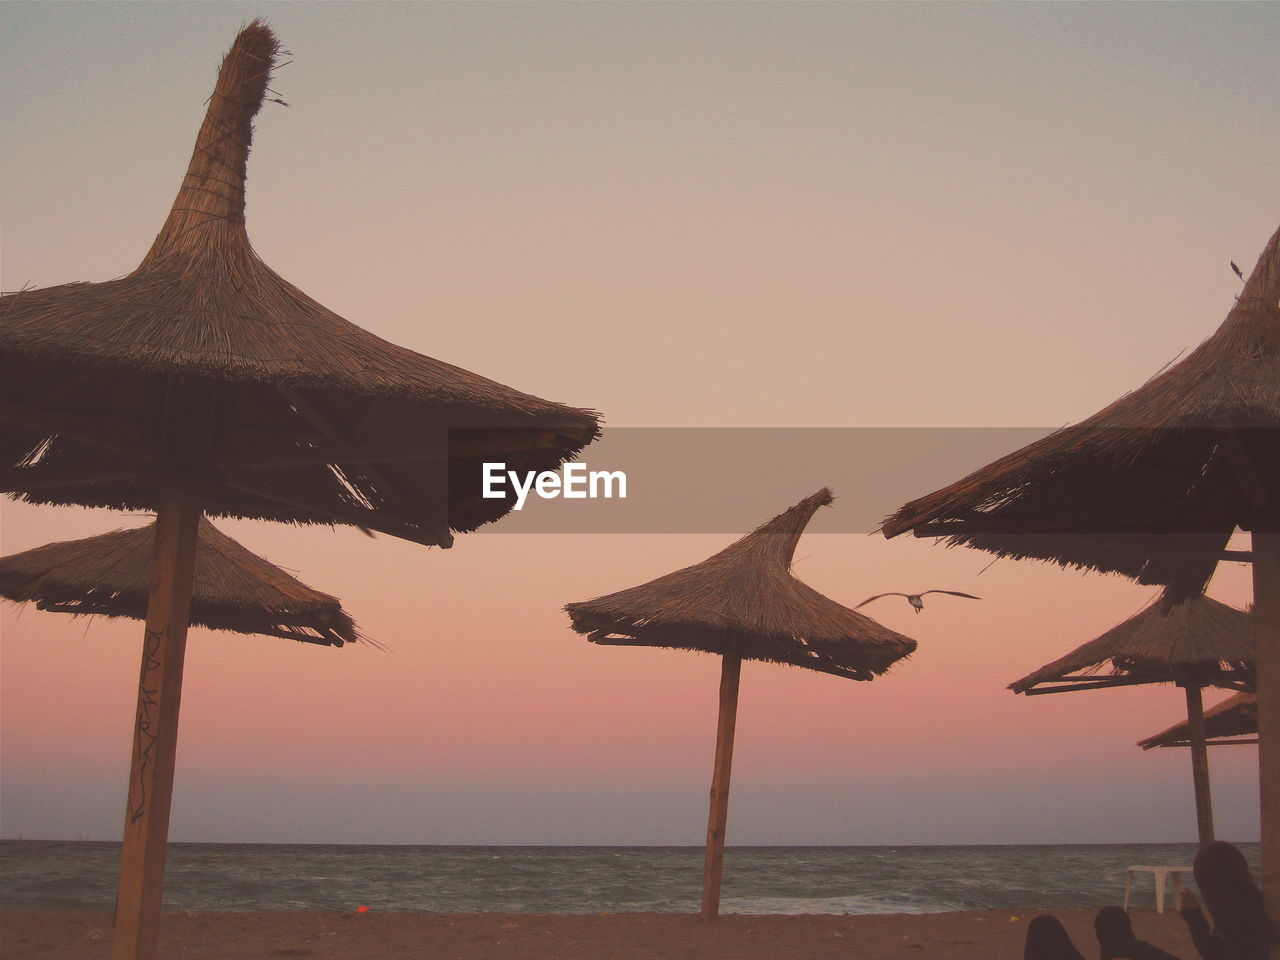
<point x="770" y="215"/>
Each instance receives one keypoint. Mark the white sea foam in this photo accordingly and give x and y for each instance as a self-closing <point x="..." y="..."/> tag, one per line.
<point x="836" y="905"/>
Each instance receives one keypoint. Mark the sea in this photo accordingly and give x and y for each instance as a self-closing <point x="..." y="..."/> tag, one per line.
<point x="80" y="875"/>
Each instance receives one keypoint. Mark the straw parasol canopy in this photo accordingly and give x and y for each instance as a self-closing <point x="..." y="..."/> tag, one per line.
<point x="1153" y="485"/>
<point x="205" y="382"/>
<point x="1236" y="716"/>
<point x="234" y="589"/>
<point x="743" y="603"/>
<point x="1201" y="641"/>
<point x="1196" y="643"/>
<point x="205" y="357"/>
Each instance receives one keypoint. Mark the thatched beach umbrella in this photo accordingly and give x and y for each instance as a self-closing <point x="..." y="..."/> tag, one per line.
<point x="743" y="604"/>
<point x="1153" y="487"/>
<point x="204" y="381"/>
<point x="1232" y="722"/>
<point x="233" y="588"/>
<point x="1195" y="644"/>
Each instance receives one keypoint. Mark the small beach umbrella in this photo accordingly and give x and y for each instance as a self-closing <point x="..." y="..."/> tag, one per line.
<point x="743" y="604"/>
<point x="1233" y="718"/>
<point x="1153" y="487"/>
<point x="232" y="588"/>
<point x="1196" y="643"/>
<point x="203" y="381"/>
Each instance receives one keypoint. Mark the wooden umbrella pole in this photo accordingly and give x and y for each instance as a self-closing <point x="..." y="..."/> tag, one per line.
<point x="155" y="738"/>
<point x="730" y="671"/>
<point x="1266" y="615"/>
<point x="1199" y="762"/>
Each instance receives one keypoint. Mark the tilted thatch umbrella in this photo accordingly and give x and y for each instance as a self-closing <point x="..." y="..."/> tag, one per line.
<point x="202" y="380"/>
<point x="1195" y="644"/>
<point x="1153" y="487"/>
<point x="743" y="603"/>
<point x="1224" y="723"/>
<point x="233" y="589"/>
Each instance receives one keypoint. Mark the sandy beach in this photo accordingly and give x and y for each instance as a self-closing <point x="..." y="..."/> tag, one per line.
<point x="971" y="935"/>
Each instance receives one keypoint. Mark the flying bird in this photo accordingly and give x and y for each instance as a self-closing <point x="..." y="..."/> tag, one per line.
<point x="914" y="598"/>
<point x="1237" y="270"/>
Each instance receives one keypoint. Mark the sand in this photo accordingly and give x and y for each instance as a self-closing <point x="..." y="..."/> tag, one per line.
<point x="971" y="935"/>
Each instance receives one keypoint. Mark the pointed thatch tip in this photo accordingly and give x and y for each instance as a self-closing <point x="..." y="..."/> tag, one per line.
<point x="1264" y="281"/>
<point x="803" y="511"/>
<point x="245" y="74"/>
<point x="208" y="212"/>
<point x="789" y="524"/>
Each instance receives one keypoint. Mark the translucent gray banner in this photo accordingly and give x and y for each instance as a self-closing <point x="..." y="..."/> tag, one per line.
<point x="1187" y="481"/>
<point x="730" y="480"/>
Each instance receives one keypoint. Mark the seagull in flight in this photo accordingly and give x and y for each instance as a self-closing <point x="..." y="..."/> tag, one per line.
<point x="915" y="598"/>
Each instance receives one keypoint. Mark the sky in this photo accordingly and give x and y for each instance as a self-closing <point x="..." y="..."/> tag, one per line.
<point x="932" y="217"/>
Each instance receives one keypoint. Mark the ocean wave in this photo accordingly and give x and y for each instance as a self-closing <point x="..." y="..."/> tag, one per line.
<point x="576" y="880"/>
<point x="861" y="905"/>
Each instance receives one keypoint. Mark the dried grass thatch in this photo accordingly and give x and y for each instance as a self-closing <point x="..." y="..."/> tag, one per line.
<point x="745" y="601"/>
<point x="1199" y="641"/>
<point x="205" y="360"/>
<point x="1237" y="716"/>
<point x="1152" y="486"/>
<point x="110" y="575"/>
